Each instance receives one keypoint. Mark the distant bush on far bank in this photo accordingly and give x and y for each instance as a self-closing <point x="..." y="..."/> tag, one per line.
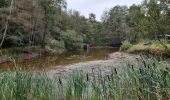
<point x="72" y="40"/>
<point x="125" y="46"/>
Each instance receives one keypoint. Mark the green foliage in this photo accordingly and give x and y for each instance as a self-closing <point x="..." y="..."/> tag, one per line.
<point x="148" y="79"/>
<point x="44" y="19"/>
<point x="72" y="40"/>
<point x="149" y="20"/>
<point x="3" y="3"/>
<point x="155" y="47"/>
<point x="55" y="46"/>
<point x="16" y="36"/>
<point x="23" y="85"/>
<point x="115" y="25"/>
<point x="125" y="46"/>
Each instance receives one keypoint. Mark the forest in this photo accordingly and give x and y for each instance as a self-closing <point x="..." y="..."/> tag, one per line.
<point x="51" y="52"/>
<point x="49" y="24"/>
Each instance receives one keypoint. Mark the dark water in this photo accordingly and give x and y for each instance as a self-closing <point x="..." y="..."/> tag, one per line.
<point x="65" y="58"/>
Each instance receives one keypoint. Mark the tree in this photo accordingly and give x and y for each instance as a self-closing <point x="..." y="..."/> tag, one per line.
<point x="149" y="19"/>
<point x="3" y="3"/>
<point x="6" y="24"/>
<point x="72" y="40"/>
<point x="115" y="24"/>
<point x="92" y="17"/>
<point x="49" y="8"/>
<point x="138" y="23"/>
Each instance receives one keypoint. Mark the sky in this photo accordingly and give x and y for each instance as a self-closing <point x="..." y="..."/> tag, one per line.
<point x="97" y="6"/>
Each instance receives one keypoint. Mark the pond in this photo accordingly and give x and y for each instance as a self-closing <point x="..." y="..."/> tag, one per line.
<point x="69" y="57"/>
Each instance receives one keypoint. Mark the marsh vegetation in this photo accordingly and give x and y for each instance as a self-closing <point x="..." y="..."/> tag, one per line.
<point x="40" y="38"/>
<point x="147" y="80"/>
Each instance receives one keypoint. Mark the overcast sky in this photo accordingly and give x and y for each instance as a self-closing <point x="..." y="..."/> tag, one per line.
<point x="97" y="6"/>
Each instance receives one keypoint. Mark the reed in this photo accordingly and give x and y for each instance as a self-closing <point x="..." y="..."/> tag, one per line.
<point x="147" y="80"/>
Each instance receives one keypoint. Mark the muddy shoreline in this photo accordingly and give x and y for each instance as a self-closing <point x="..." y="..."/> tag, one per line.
<point x="116" y="60"/>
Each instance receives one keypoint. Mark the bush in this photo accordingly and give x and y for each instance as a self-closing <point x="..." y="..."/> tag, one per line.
<point x="16" y="36"/>
<point x="3" y="3"/>
<point x="154" y="47"/>
<point x="72" y="40"/>
<point x="54" y="46"/>
<point x="125" y="46"/>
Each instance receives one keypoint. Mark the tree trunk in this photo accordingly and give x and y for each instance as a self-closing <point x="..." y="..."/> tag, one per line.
<point x="32" y="30"/>
<point x="45" y="28"/>
<point x="6" y="26"/>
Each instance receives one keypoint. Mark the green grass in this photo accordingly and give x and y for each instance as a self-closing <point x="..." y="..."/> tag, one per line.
<point x="22" y="85"/>
<point x="146" y="80"/>
<point x="160" y="48"/>
<point x="125" y="46"/>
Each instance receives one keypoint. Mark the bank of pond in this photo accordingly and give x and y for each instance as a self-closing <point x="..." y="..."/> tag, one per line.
<point x="145" y="78"/>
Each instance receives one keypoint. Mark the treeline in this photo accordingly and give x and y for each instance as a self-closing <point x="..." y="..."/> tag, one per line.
<point x="44" y="22"/>
<point x="50" y="24"/>
<point x="148" y="20"/>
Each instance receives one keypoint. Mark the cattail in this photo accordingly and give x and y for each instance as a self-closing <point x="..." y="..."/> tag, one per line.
<point x="148" y="66"/>
<point x="60" y="82"/>
<point x="140" y="70"/>
<point x="100" y="73"/>
<point x="167" y="69"/>
<point x="137" y="59"/>
<point x="144" y="64"/>
<point x="108" y="77"/>
<point x="115" y="70"/>
<point x="154" y="64"/>
<point x="87" y="77"/>
<point x="75" y="84"/>
<point x="133" y="68"/>
<point x="140" y="89"/>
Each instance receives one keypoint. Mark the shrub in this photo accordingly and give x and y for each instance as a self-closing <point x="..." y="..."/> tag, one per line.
<point x="54" y="46"/>
<point x="3" y="3"/>
<point x="16" y="36"/>
<point x="125" y="46"/>
<point x="155" y="47"/>
<point x="72" y="40"/>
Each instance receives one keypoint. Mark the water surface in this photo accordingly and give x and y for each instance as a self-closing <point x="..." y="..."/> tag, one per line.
<point x="70" y="57"/>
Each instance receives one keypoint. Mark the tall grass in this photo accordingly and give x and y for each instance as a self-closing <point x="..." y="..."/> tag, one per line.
<point x="126" y="45"/>
<point x="22" y="85"/>
<point x="155" y="47"/>
<point x="146" y="80"/>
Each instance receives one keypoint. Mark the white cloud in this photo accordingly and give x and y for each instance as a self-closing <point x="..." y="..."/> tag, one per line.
<point x="97" y="6"/>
